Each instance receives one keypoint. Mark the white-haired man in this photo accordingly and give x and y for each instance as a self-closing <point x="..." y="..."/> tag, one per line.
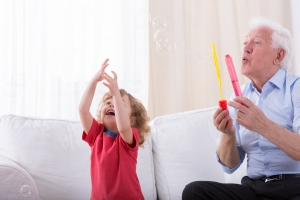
<point x="263" y="124"/>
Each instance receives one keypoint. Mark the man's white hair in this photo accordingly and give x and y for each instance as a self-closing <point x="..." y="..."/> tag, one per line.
<point x="281" y="38"/>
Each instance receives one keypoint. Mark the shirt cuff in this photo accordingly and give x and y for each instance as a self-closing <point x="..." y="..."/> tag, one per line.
<point x="225" y="168"/>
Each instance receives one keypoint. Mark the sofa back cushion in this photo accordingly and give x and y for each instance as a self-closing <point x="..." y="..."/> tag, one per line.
<point x="184" y="146"/>
<point x="53" y="153"/>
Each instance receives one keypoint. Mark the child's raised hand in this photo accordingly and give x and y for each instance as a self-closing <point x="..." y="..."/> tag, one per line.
<point x="99" y="75"/>
<point x="112" y="83"/>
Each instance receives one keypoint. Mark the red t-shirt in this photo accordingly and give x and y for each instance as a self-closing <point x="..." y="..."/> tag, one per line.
<point x="113" y="165"/>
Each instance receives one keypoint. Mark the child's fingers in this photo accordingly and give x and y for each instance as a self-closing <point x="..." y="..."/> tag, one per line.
<point x="115" y="75"/>
<point x="107" y="77"/>
<point x="103" y="68"/>
<point x="106" y="84"/>
<point x="104" y="65"/>
<point x="105" y="62"/>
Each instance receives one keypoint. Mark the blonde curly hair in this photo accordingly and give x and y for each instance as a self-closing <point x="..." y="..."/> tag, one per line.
<point x="138" y="112"/>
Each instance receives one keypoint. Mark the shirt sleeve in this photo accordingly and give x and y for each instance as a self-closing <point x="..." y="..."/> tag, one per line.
<point x="231" y="170"/>
<point x="135" y="144"/>
<point x="296" y="102"/>
<point x="226" y="169"/>
<point x="95" y="130"/>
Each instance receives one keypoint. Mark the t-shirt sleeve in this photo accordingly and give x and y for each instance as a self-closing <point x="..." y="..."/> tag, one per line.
<point x="95" y="130"/>
<point x="136" y="139"/>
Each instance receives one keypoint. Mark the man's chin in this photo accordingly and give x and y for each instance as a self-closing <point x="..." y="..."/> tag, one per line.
<point x="244" y="70"/>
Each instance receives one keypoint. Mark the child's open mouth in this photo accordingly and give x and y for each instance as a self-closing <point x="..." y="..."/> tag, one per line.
<point x="110" y="112"/>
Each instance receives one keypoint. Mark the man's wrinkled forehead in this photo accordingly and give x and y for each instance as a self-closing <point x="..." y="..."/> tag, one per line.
<point x="259" y="33"/>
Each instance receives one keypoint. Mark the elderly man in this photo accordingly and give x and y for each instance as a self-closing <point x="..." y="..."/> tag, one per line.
<point x="264" y="124"/>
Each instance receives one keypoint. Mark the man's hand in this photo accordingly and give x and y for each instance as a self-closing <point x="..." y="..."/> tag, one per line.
<point x="223" y="121"/>
<point x="248" y="114"/>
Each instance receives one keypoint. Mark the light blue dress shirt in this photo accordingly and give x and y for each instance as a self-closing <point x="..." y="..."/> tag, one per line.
<point x="280" y="101"/>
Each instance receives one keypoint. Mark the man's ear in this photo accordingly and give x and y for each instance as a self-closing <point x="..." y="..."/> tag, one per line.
<point x="280" y="56"/>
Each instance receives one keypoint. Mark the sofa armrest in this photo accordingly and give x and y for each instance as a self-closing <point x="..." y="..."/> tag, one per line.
<point x="15" y="182"/>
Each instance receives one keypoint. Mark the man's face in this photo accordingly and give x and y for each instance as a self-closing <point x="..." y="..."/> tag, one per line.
<point x="259" y="55"/>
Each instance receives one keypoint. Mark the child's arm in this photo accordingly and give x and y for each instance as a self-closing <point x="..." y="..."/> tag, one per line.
<point x="86" y="117"/>
<point x="122" y="116"/>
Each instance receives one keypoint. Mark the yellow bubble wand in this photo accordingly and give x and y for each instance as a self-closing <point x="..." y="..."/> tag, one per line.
<point x="222" y="102"/>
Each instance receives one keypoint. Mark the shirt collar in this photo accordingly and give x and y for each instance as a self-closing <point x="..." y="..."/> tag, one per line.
<point x="110" y="134"/>
<point x="277" y="79"/>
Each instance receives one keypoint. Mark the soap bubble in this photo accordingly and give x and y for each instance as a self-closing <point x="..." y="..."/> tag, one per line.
<point x="72" y="18"/>
<point x="163" y="48"/>
<point x="159" y="23"/>
<point x="20" y="79"/>
<point x="136" y="85"/>
<point x="86" y="11"/>
<point x="142" y="19"/>
<point x="12" y="90"/>
<point x="161" y="36"/>
<point x="25" y="191"/>
<point x="179" y="45"/>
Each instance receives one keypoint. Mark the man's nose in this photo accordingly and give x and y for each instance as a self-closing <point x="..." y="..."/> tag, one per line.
<point x="111" y="105"/>
<point x="248" y="48"/>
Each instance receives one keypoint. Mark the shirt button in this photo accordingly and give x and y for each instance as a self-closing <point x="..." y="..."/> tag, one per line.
<point x="265" y="152"/>
<point x="262" y="99"/>
<point x="267" y="168"/>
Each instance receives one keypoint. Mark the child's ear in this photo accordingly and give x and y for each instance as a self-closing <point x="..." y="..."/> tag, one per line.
<point x="132" y="121"/>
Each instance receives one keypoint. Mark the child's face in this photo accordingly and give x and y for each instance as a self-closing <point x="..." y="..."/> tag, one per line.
<point x="108" y="117"/>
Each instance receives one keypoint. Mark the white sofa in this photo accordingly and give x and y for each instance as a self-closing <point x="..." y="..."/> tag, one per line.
<point x="46" y="159"/>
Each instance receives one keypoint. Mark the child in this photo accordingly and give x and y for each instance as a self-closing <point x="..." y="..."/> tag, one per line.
<point x="113" y="140"/>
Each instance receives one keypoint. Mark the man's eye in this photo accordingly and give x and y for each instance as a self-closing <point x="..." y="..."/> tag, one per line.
<point x="107" y="103"/>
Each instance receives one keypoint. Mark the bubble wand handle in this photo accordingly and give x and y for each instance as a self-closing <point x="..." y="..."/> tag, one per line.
<point x="233" y="77"/>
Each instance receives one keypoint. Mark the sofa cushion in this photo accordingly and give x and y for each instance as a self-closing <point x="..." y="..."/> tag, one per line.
<point x="145" y="170"/>
<point x="57" y="159"/>
<point x="15" y="182"/>
<point x="184" y="146"/>
<point x="51" y="151"/>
